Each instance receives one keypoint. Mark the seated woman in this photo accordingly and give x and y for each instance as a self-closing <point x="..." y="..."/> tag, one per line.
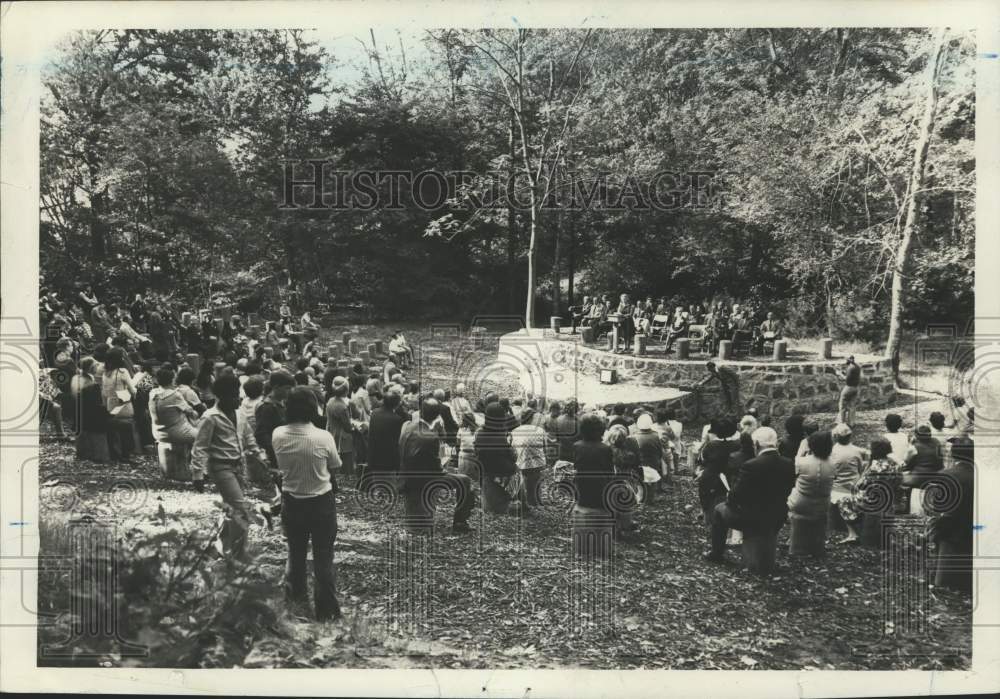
<point x="497" y="461"/>
<point x="849" y="460"/>
<point x="594" y="467"/>
<point x="628" y="467"/>
<point x="899" y="440"/>
<point x="174" y="419"/>
<point x="814" y="477"/>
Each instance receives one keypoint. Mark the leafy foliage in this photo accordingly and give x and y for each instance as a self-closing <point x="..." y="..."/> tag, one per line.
<point x="162" y="161"/>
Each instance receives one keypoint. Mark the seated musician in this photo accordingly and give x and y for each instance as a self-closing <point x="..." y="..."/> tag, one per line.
<point x="307" y="322"/>
<point x="695" y="314"/>
<point x="679" y="327"/>
<point x="769" y="331"/>
<point x="285" y="318"/>
<point x="740" y="327"/>
<point x="642" y="316"/>
<point x="580" y="314"/>
<point x="598" y="319"/>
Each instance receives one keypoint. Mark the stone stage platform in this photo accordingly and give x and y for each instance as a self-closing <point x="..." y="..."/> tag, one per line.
<point x="562" y="366"/>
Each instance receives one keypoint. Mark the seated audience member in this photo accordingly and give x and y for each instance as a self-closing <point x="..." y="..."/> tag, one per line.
<point x="384" y="428"/>
<point x="739" y="326"/>
<point x="789" y="444"/>
<point x="714" y="480"/>
<point x="849" y="461"/>
<point x="809" y="427"/>
<point x="285" y="317"/>
<point x="566" y="430"/>
<point x="630" y="472"/>
<point x="618" y="416"/>
<point x="900" y="441"/>
<point x="748" y="423"/>
<point x="94" y="425"/>
<point x="678" y="327"/>
<point x="593" y="463"/>
<point x="405" y="345"/>
<point x="420" y="465"/>
<point x="952" y="529"/>
<point x="307" y="460"/>
<point x="769" y="331"/>
<point x="696" y="316"/>
<point x="184" y="380"/>
<point x="650" y="448"/>
<point x="397" y="353"/>
<point x="529" y="443"/>
<point x="814" y="477"/>
<point x="253" y="395"/>
<point x="173" y="419"/>
<point x="939" y="430"/>
<point x="922" y="461"/>
<point x="757" y="501"/>
<point x="579" y="314"/>
<point x="882" y="473"/>
<point x="307" y="323"/>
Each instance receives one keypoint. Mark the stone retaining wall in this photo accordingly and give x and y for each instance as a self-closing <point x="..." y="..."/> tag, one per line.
<point x="775" y="388"/>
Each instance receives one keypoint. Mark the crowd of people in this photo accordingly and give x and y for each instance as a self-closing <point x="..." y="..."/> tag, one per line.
<point x="748" y="327"/>
<point x="270" y="423"/>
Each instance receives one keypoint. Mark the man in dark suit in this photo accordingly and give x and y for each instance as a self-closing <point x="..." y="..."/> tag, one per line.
<point x="757" y="500"/>
<point x="383" y="436"/>
<point x="420" y="467"/>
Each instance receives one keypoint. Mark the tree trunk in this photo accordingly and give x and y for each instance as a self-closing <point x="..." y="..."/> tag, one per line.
<point x="556" y="266"/>
<point x="512" y="279"/>
<point x="904" y="252"/>
<point x="529" y="306"/>
<point x="571" y="262"/>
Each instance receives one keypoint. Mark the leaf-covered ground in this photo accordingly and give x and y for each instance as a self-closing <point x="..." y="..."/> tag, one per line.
<point x="511" y="595"/>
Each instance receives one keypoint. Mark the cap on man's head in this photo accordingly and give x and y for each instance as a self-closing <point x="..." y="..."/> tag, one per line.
<point x="644" y="423"/>
<point x="765" y="438"/>
<point x="923" y="431"/>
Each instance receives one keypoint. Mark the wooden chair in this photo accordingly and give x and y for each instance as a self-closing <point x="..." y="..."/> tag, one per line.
<point x="696" y="334"/>
<point x="660" y="326"/>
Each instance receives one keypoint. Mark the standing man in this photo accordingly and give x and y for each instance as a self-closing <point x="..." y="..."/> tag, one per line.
<point x="384" y="429"/>
<point x="729" y="382"/>
<point x="850" y="394"/>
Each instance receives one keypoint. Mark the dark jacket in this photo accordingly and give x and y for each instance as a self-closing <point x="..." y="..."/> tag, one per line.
<point x="715" y="459"/>
<point x="955" y="523"/>
<point x="924" y="461"/>
<point x="494" y="453"/>
<point x="94" y="415"/>
<point x="595" y="472"/>
<point x="760" y="492"/>
<point x="419" y="449"/>
<point x="268" y="416"/>
<point x="383" y="440"/>
<point x="565" y="433"/>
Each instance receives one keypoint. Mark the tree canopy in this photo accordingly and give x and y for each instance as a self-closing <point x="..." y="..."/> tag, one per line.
<point x="162" y="168"/>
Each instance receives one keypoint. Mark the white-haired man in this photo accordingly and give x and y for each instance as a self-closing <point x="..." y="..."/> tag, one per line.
<point x="460" y="406"/>
<point x="757" y="499"/>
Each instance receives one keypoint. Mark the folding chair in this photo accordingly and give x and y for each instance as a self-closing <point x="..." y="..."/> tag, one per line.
<point x="696" y="334"/>
<point x="660" y="326"/>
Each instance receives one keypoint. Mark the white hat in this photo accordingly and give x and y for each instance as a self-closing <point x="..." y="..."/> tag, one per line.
<point x="644" y="423"/>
